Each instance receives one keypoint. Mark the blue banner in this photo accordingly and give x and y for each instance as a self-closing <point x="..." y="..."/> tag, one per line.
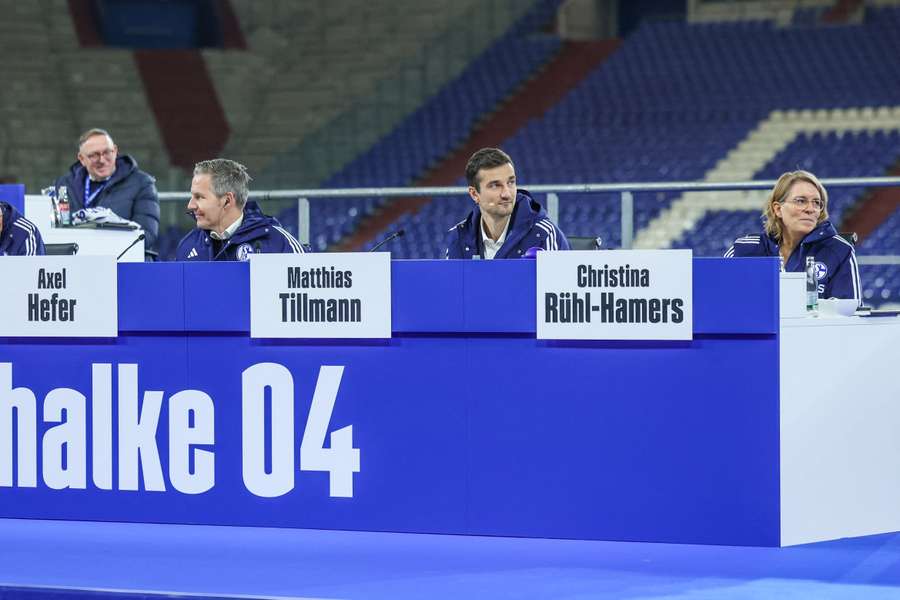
<point x="458" y="424"/>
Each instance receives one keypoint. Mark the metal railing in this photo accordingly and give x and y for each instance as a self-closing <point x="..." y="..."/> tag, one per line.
<point x="626" y="193"/>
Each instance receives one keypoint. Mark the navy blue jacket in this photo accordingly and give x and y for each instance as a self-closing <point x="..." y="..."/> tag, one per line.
<point x="18" y="236"/>
<point x="258" y="234"/>
<point x="836" y="266"/>
<point x="130" y="193"/>
<point x="529" y="227"/>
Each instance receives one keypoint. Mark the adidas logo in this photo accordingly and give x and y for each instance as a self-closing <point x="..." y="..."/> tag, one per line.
<point x="192" y="253"/>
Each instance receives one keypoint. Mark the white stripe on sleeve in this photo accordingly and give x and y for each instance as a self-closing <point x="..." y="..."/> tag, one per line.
<point x="854" y="269"/>
<point x="854" y="274"/>
<point x="30" y="241"/>
<point x="547" y="226"/>
<point x="296" y="246"/>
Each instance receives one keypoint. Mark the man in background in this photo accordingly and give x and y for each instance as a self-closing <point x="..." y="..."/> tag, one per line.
<point x="103" y="178"/>
<point x="229" y="227"/>
<point x="506" y="221"/>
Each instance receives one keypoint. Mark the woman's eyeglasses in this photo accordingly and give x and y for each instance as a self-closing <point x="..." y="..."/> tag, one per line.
<point x="802" y="202"/>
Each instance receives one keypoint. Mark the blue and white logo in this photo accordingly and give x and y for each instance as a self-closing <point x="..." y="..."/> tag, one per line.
<point x="821" y="271"/>
<point x="244" y="251"/>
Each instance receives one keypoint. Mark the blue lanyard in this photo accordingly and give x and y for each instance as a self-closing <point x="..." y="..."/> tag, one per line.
<point x="88" y="198"/>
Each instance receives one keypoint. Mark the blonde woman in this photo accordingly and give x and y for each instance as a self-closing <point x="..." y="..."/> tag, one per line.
<point x="795" y="219"/>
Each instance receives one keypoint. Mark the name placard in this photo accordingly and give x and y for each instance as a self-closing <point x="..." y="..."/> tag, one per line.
<point x="615" y="295"/>
<point x="59" y="296"/>
<point x="341" y="295"/>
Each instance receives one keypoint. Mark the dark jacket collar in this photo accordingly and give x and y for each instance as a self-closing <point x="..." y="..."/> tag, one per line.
<point x="253" y="226"/>
<point x="822" y="231"/>
<point x="525" y="213"/>
<point x="125" y="164"/>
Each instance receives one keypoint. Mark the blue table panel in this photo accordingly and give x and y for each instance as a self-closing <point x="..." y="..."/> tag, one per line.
<point x="673" y="444"/>
<point x="731" y="296"/>
<point x="426" y="298"/>
<point x="152" y="299"/>
<point x="465" y="423"/>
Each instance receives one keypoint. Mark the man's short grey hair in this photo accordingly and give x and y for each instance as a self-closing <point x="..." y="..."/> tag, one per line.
<point x="226" y="176"/>
<point x="91" y="133"/>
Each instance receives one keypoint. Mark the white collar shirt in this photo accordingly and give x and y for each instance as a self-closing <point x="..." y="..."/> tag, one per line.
<point x="229" y="231"/>
<point x="490" y="246"/>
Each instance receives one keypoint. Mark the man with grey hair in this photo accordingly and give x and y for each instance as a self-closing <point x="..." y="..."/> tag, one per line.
<point x="103" y="178"/>
<point x="229" y="226"/>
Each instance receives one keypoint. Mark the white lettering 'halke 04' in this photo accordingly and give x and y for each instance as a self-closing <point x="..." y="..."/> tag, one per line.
<point x="191" y="435"/>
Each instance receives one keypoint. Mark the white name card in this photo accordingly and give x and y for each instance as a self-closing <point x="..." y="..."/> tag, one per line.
<point x="615" y="295"/>
<point x="59" y="296"/>
<point x="341" y="295"/>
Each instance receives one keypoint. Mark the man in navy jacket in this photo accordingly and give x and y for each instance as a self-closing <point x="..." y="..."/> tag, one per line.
<point x="229" y="227"/>
<point x="102" y="178"/>
<point x="506" y="222"/>
<point x="18" y="235"/>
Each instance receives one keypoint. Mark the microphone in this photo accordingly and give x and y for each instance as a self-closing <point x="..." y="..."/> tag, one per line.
<point x="393" y="236"/>
<point x="131" y="245"/>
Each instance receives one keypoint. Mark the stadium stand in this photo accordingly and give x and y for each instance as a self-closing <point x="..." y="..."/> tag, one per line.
<point x="881" y="283"/>
<point x="33" y="112"/>
<point x="812" y="87"/>
<point x="702" y="102"/>
<point x="437" y="127"/>
<point x="826" y="153"/>
<point x="340" y="54"/>
<point x="57" y="89"/>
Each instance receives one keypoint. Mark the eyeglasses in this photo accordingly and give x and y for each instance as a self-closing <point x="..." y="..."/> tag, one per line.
<point x="95" y="156"/>
<point x="802" y="202"/>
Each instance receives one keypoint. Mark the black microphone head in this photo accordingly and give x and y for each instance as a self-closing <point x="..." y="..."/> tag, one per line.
<point x="393" y="236"/>
<point x="141" y="237"/>
<point x="130" y="246"/>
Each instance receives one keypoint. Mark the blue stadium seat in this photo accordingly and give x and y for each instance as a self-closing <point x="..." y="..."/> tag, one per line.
<point x="668" y="105"/>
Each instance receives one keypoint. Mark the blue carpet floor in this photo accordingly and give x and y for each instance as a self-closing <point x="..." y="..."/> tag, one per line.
<point x="75" y="560"/>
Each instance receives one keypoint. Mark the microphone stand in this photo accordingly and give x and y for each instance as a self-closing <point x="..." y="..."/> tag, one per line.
<point x="131" y="245"/>
<point x="393" y="236"/>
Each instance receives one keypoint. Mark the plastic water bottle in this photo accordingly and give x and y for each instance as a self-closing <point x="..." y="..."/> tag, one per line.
<point x="50" y="192"/>
<point x="65" y="216"/>
<point x="812" y="291"/>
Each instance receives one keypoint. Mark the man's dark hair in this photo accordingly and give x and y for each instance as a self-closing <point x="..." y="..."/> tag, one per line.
<point x="486" y="158"/>
<point x="226" y="176"/>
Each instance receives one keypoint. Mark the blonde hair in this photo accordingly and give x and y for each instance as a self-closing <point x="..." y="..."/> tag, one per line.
<point x="772" y="223"/>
